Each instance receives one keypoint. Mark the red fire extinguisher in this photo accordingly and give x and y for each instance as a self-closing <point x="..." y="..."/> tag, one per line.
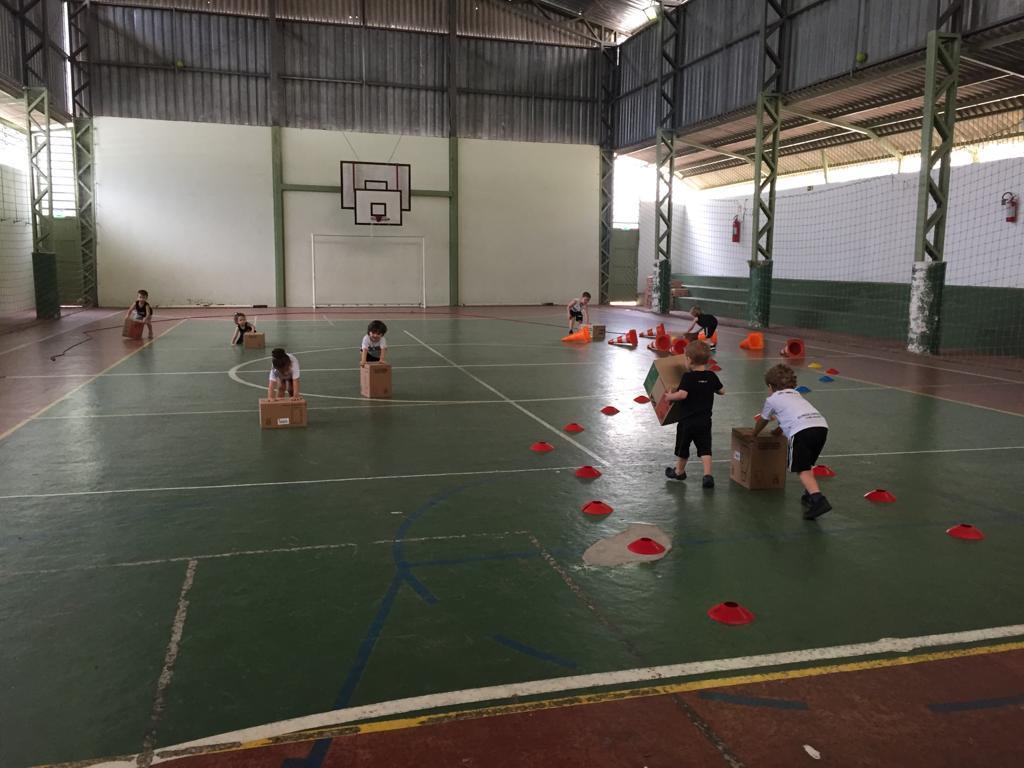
<point x="735" y="229"/>
<point x="1010" y="203"/>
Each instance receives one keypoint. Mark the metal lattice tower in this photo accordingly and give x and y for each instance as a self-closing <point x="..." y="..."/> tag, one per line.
<point x="79" y="20"/>
<point x="942" y="72"/>
<point x="766" y="159"/>
<point x="668" y="26"/>
<point x="609" y="74"/>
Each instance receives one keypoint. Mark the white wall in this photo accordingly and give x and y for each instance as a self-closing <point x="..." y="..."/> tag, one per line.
<point x="17" y="292"/>
<point x="184" y="210"/>
<point x="528" y="220"/>
<point x="314" y="157"/>
<point x="857" y="231"/>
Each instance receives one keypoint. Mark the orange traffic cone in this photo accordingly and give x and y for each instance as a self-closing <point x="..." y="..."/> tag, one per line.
<point x="679" y="345"/>
<point x="626" y="340"/>
<point x="662" y="344"/>
<point x="653" y="333"/>
<point x="793" y="348"/>
<point x="582" y="335"/>
<point x="753" y="342"/>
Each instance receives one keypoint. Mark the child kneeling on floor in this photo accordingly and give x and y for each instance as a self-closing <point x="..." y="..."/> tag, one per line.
<point x="284" y="376"/>
<point x="697" y="390"/>
<point x="373" y="347"/>
<point x="803" y="426"/>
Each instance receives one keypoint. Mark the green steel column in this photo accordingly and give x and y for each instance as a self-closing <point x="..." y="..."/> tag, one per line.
<point x="668" y="30"/>
<point x="280" y="296"/>
<point x="928" y="277"/>
<point x="453" y="222"/>
<point x="766" y="161"/>
<point x="453" y="153"/>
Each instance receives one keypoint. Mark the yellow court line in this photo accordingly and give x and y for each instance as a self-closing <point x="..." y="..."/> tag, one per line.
<point x="382" y="726"/>
<point x="90" y="380"/>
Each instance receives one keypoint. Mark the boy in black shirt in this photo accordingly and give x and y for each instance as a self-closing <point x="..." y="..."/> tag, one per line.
<point x="707" y="323"/>
<point x="697" y="390"/>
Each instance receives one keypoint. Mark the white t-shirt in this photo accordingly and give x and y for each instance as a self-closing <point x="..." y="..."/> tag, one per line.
<point x="373" y="347"/>
<point x="576" y="307"/>
<point x="275" y="375"/>
<point x="793" y="412"/>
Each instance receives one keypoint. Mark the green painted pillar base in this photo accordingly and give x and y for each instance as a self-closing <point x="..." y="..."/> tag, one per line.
<point x="759" y="302"/>
<point x="926" y="285"/>
<point x="44" y="274"/>
<point x="663" y="287"/>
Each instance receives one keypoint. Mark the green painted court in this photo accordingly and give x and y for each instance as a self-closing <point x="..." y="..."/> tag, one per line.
<point x="417" y="547"/>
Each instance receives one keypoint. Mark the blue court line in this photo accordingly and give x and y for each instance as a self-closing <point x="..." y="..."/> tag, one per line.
<point x="968" y="706"/>
<point x="536" y="653"/>
<point x="402" y="575"/>
<point x="753" y="701"/>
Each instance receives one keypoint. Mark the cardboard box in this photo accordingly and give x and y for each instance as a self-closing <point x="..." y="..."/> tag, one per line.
<point x="761" y="463"/>
<point x="375" y="380"/>
<point x="597" y="332"/>
<point x="283" y="413"/>
<point x="132" y="329"/>
<point x="254" y="340"/>
<point x="664" y="376"/>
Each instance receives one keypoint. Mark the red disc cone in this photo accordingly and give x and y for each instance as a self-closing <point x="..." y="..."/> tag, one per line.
<point x="880" y="495"/>
<point x="542" y="447"/>
<point x="715" y="367"/>
<point x="823" y="470"/>
<point x="645" y="546"/>
<point x="731" y="613"/>
<point x="587" y="472"/>
<point x="965" y="531"/>
<point x="609" y="410"/>
<point x="573" y="428"/>
<point x="641" y="399"/>
<point x="832" y="372"/>
<point x="596" y="508"/>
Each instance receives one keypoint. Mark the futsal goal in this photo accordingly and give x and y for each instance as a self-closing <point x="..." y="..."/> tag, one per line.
<point x="368" y="270"/>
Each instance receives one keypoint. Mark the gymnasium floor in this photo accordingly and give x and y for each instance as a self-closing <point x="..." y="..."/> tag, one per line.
<point x="170" y="573"/>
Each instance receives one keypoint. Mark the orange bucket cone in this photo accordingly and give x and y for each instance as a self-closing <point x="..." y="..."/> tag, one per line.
<point x="793" y="348"/>
<point x="662" y="344"/>
<point x="679" y="346"/>
<point x="754" y="341"/>
<point x="582" y="335"/>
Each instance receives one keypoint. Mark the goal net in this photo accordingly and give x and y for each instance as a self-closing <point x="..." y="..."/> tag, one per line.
<point x="368" y="270"/>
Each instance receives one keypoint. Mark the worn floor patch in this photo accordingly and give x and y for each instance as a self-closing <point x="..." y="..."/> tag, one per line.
<point x="615" y="550"/>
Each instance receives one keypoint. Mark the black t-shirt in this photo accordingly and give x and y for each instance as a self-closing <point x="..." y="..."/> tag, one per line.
<point x="701" y="387"/>
<point x="706" y="321"/>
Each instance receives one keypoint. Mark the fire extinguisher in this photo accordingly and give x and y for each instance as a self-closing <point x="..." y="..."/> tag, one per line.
<point x="735" y="229"/>
<point x="1010" y="203"/>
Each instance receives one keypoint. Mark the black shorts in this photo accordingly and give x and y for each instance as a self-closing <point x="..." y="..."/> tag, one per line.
<point x="371" y="358"/>
<point x="577" y="316"/>
<point x="710" y="329"/>
<point x="698" y="433"/>
<point x="806" y="448"/>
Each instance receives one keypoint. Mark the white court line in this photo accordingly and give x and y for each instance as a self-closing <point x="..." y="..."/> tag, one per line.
<point x="253" y="552"/>
<point x="80" y="329"/>
<point x="896" y="361"/>
<point x="145" y="758"/>
<point x="378" y="404"/>
<point x="72" y="391"/>
<point x="325" y="317"/>
<point x="468" y="473"/>
<point x="513" y="403"/>
<point x="589" y="683"/>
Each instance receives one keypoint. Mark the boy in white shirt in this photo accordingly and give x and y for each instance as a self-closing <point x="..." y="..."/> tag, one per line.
<point x="373" y="346"/>
<point x="803" y="426"/>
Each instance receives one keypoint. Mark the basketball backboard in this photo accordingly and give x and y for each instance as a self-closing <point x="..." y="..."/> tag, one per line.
<point x="378" y="192"/>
